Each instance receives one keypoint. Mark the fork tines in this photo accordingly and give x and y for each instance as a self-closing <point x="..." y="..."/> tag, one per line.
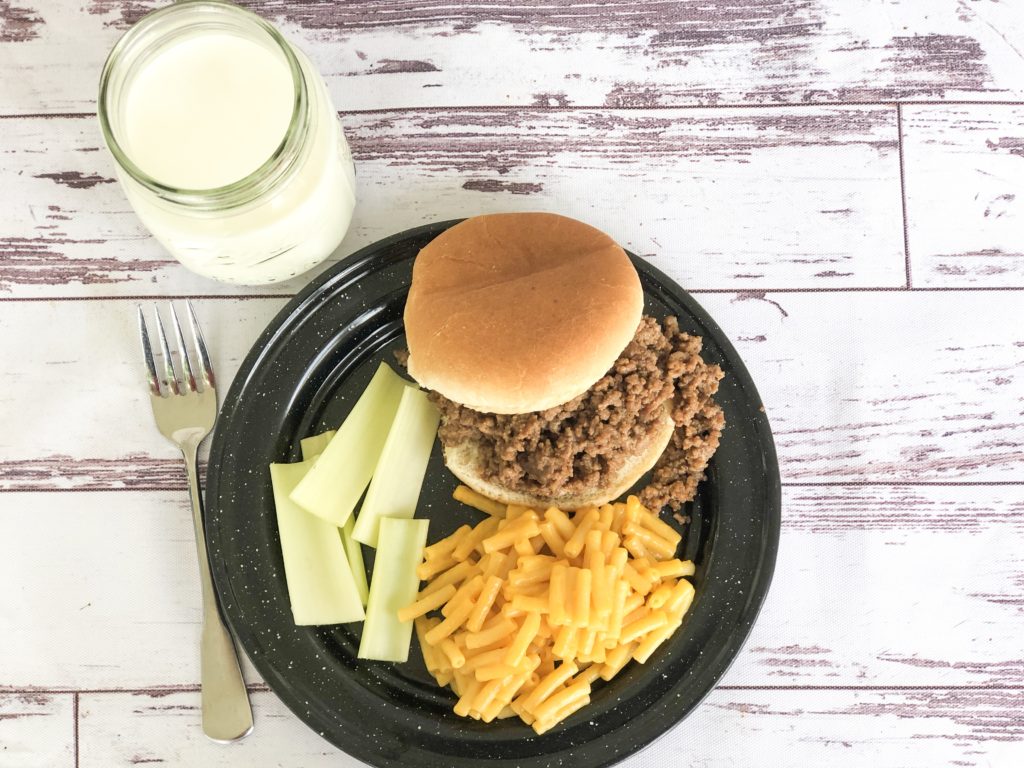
<point x="165" y="379"/>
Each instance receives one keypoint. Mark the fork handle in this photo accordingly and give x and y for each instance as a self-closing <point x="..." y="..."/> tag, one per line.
<point x="227" y="715"/>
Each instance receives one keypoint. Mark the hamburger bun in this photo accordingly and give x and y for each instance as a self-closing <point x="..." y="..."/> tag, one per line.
<point x="519" y="312"/>
<point x="464" y="461"/>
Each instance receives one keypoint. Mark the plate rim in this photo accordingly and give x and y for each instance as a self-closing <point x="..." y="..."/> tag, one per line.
<point x="770" y="529"/>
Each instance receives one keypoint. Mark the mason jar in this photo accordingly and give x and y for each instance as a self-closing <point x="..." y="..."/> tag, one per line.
<point x="251" y="203"/>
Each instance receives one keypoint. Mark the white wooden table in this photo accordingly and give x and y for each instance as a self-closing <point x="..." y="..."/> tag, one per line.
<point x="839" y="182"/>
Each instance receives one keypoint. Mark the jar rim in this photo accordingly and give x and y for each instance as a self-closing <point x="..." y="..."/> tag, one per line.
<point x="258" y="181"/>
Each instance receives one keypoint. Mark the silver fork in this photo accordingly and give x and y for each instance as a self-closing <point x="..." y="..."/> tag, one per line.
<point x="185" y="413"/>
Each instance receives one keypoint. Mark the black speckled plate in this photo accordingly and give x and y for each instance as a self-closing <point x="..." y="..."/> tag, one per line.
<point x="301" y="377"/>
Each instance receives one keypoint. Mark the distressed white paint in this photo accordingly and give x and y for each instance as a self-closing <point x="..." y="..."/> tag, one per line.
<point x="654" y="52"/>
<point x="91" y="375"/>
<point x="877" y="585"/>
<point x="783" y="729"/>
<point x="118" y="602"/>
<point x="36" y="730"/>
<point x="884" y="387"/>
<point x="893" y="586"/>
<point x="805" y="197"/>
<point x="965" y="195"/>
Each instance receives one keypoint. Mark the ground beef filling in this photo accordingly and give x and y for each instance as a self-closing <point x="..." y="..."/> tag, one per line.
<point x="571" y="447"/>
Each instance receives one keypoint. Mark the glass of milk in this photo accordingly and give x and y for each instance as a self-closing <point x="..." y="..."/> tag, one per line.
<point x="226" y="142"/>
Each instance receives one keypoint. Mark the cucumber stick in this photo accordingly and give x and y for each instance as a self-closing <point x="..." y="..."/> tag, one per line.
<point x="341" y="473"/>
<point x="311" y="448"/>
<point x="321" y="587"/>
<point x="354" y="550"/>
<point x="314" y="446"/>
<point x="394" y="585"/>
<point x="398" y="477"/>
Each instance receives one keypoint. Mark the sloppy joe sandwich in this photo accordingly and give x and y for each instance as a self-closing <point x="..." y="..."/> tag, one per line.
<point x="554" y="388"/>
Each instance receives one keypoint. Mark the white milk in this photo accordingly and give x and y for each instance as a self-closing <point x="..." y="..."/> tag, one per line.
<point x="207" y="111"/>
<point x="206" y="108"/>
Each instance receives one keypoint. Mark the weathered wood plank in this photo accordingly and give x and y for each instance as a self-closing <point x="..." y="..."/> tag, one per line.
<point x="784" y="729"/>
<point x="129" y="730"/>
<point x="965" y="195"/>
<point x="803" y="197"/>
<point x="857" y="599"/>
<point x="885" y="387"/>
<point x="37" y="730"/>
<point x="795" y="729"/>
<point x="725" y="198"/>
<point x="881" y="585"/>
<point x="91" y="378"/>
<point x="130" y="619"/>
<point x="854" y="390"/>
<point x="611" y="53"/>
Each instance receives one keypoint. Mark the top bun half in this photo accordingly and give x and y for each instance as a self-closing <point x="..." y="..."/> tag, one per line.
<point x="519" y="312"/>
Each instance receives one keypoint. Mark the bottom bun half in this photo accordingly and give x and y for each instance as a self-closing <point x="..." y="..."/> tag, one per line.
<point x="463" y="459"/>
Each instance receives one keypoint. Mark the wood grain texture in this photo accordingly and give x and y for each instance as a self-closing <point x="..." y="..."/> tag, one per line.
<point x="796" y="729"/>
<point x="122" y="602"/>
<point x="802" y="197"/>
<point x="854" y="391"/>
<point x="37" y="730"/>
<point x="885" y="387"/>
<point x="965" y="195"/>
<point x="789" y="729"/>
<point x="885" y="586"/>
<point x="891" y="636"/>
<point x="130" y="730"/>
<point x="78" y="440"/>
<point x="609" y="53"/>
<point x="874" y="587"/>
